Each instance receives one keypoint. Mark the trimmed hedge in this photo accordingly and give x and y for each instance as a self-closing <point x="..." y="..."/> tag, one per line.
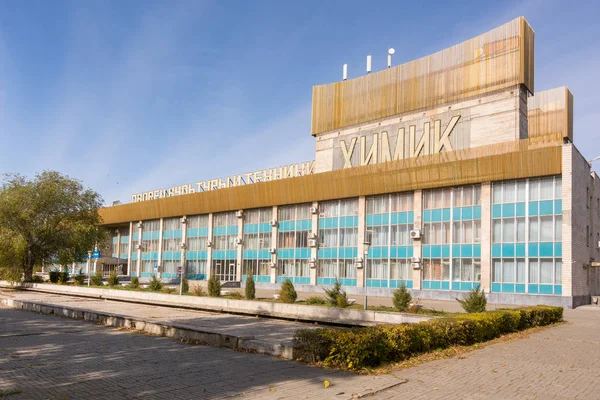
<point x="371" y="346"/>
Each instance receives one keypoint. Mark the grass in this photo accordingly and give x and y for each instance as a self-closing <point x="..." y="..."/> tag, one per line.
<point x="9" y="392"/>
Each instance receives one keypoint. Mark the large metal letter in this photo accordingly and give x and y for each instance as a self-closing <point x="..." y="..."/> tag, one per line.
<point x="365" y="158"/>
<point x="444" y="140"/>
<point x="347" y="153"/>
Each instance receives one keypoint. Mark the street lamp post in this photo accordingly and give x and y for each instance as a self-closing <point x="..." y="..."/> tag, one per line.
<point x="593" y="159"/>
<point x="366" y="245"/>
<point x="89" y="260"/>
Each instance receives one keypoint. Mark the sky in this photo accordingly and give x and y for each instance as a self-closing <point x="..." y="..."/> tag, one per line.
<point x="138" y="95"/>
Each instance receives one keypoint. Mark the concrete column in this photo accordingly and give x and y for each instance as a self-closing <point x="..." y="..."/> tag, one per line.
<point x="314" y="250"/>
<point x="274" y="243"/>
<point x="362" y="211"/>
<point x="139" y="249"/>
<point x="118" y="244"/>
<point x="209" y="250"/>
<point x="160" y="247"/>
<point x="567" y="220"/>
<point x="486" y="237"/>
<point x="129" y="246"/>
<point x="183" y="248"/>
<point x="240" y="250"/>
<point x="417" y="274"/>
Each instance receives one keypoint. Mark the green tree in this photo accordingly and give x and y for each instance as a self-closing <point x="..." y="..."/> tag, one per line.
<point x="287" y="293"/>
<point x="402" y="298"/>
<point x="48" y="219"/>
<point x="250" y="288"/>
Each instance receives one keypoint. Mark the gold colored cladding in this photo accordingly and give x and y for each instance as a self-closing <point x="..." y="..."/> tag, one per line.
<point x="539" y="156"/>
<point x="501" y="58"/>
<point x="550" y="112"/>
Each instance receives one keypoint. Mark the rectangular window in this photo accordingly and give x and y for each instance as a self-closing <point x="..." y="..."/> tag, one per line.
<point x="546" y="229"/>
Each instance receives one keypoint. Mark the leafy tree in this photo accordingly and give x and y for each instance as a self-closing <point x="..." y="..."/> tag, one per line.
<point x="48" y="219"/>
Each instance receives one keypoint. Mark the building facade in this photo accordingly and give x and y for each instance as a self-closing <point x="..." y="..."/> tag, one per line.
<point x="443" y="174"/>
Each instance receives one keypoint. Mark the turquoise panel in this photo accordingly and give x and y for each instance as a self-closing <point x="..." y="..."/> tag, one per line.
<point x="455" y="285"/>
<point x="446" y="214"/>
<point x="546" y="289"/>
<point x="456" y="250"/>
<point x="520" y="250"/>
<point x="533" y="249"/>
<point x="347" y="281"/>
<point x="114" y="255"/>
<point x="377" y="283"/>
<point x="558" y="290"/>
<point x="476" y="250"/>
<point x="385" y="252"/>
<point x="397" y="283"/>
<point x="114" y="240"/>
<point x="533" y="208"/>
<point x="427" y="216"/>
<point x="446" y="250"/>
<point x="445" y="285"/>
<point x="333" y="223"/>
<point x="203" y="232"/>
<point x="265" y="228"/>
<point x="426" y="251"/>
<point x="146" y="235"/>
<point x="508" y="250"/>
<point x="411" y="217"/>
<point x="520" y="211"/>
<point x="436" y="251"/>
<point x="497" y="211"/>
<point x="133" y="273"/>
<point x="456" y="214"/>
<point x="508" y="288"/>
<point x="508" y="210"/>
<point x="192" y="232"/>
<point x="135" y="237"/>
<point x="354" y="221"/>
<point x="342" y="222"/>
<point x="466" y="250"/>
<point x="436" y="215"/>
<point x="546" y="207"/>
<point x="520" y="288"/>
<point x="496" y="288"/>
<point x="557" y="249"/>
<point x="377" y="219"/>
<point x="394" y="218"/>
<point x="369" y="220"/>
<point x="264" y="254"/>
<point x="321" y="253"/>
<point x="466" y="286"/>
<point x="402" y="252"/>
<point x="546" y="249"/>
<point x="436" y="285"/>
<point x="167" y="234"/>
<point x="251" y="228"/>
<point x="134" y="256"/>
<point x="409" y="251"/>
<point x="533" y="289"/>
<point x="477" y="212"/>
<point x="403" y="218"/>
<point x="196" y="277"/>
<point x="375" y="252"/>
<point x="557" y="206"/>
<point x="426" y="284"/>
<point x="467" y="213"/>
<point x="385" y="219"/>
<point x="393" y="252"/>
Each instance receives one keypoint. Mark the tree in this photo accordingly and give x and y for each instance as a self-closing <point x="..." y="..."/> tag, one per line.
<point x="48" y="219"/>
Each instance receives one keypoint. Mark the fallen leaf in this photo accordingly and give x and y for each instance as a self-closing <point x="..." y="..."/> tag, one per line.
<point x="271" y="389"/>
<point x="326" y="383"/>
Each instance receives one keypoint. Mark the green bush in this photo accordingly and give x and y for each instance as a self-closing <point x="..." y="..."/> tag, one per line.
<point x="214" y="287"/>
<point x="185" y="285"/>
<point x="96" y="279"/>
<point x="288" y="294"/>
<point x="402" y="298"/>
<point x="198" y="291"/>
<point x="37" y="279"/>
<point x="79" y="279"/>
<point x="59" y="277"/>
<point x="250" y="288"/>
<point x="134" y="283"/>
<point x="370" y="346"/>
<point x="315" y="300"/>
<point x="475" y="302"/>
<point x="168" y="290"/>
<point x="113" y="279"/>
<point x="155" y="284"/>
<point x="236" y="295"/>
<point x="334" y="293"/>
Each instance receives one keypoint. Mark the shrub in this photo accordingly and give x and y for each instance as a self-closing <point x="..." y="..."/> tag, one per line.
<point x="335" y="293"/>
<point x="155" y="284"/>
<point x="54" y="275"/>
<point x="250" y="288"/>
<point x="168" y="290"/>
<point x="288" y="294"/>
<point x="370" y="346"/>
<point x="199" y="291"/>
<point x="113" y="279"/>
<point x="315" y="300"/>
<point x="96" y="279"/>
<point x="134" y="283"/>
<point x="214" y="287"/>
<point x="185" y="285"/>
<point x="63" y="277"/>
<point x="79" y="279"/>
<point x="236" y="296"/>
<point x="475" y="302"/>
<point x="402" y="298"/>
<point x="37" y="279"/>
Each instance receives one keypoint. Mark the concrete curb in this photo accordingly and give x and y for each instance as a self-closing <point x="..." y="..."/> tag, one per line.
<point x="296" y="312"/>
<point x="173" y="330"/>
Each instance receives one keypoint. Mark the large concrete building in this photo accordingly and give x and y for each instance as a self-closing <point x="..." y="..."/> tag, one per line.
<point x="444" y="173"/>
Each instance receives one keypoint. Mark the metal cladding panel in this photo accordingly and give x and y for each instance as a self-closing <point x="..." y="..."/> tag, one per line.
<point x="551" y="112"/>
<point x="539" y="156"/>
<point x="501" y="58"/>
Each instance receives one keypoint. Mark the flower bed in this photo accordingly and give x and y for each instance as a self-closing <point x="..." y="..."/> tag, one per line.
<point x="371" y="346"/>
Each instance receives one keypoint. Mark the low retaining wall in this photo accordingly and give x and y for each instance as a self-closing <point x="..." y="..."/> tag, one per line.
<point x="173" y="330"/>
<point x="297" y="312"/>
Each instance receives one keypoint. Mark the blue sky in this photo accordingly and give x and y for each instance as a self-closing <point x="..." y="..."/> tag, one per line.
<point x="130" y="96"/>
